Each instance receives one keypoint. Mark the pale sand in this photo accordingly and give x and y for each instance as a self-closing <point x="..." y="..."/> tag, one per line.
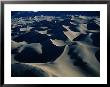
<point x="63" y="65"/>
<point x="58" y="42"/>
<point x="70" y="34"/>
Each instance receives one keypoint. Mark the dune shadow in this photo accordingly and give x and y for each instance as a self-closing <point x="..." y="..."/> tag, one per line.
<point x="22" y="70"/>
<point x="50" y="53"/>
<point x="81" y="64"/>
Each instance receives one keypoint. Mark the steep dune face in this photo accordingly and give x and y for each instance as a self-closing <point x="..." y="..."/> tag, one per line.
<point x="63" y="66"/>
<point x="68" y="65"/>
<point x="58" y="42"/>
<point x="78" y="61"/>
<point x="56" y="47"/>
<point x="38" y="52"/>
<point x="70" y="34"/>
<point x="36" y="46"/>
<point x="81" y="49"/>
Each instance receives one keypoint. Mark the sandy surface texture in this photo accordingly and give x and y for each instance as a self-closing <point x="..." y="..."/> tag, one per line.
<point x="55" y="44"/>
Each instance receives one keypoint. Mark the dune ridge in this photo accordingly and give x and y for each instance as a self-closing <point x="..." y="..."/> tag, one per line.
<point x="50" y="46"/>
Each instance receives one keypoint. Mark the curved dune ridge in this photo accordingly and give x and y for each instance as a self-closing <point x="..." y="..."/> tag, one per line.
<point x="55" y="46"/>
<point x="58" y="42"/>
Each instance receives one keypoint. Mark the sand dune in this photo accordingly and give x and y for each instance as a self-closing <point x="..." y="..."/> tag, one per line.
<point x="66" y="46"/>
<point x="58" y="42"/>
<point x="42" y="32"/>
<point x="36" y="46"/>
<point x="82" y="28"/>
<point x="80" y="19"/>
<point x="70" y="34"/>
<point x="38" y="52"/>
<point x="49" y="34"/>
<point x="17" y="44"/>
<point x="87" y="53"/>
<point x="64" y="66"/>
<point x="73" y="23"/>
<point x="60" y="67"/>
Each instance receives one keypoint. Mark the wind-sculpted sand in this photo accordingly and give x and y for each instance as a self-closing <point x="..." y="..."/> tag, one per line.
<point x="53" y="47"/>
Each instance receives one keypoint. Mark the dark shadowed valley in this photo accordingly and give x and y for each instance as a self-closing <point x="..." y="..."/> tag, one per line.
<point x="55" y="44"/>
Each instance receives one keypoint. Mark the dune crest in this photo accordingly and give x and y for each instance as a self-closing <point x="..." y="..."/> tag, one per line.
<point x="64" y="65"/>
<point x="55" y="44"/>
<point x="70" y="34"/>
<point x="58" y="42"/>
<point x="61" y="67"/>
